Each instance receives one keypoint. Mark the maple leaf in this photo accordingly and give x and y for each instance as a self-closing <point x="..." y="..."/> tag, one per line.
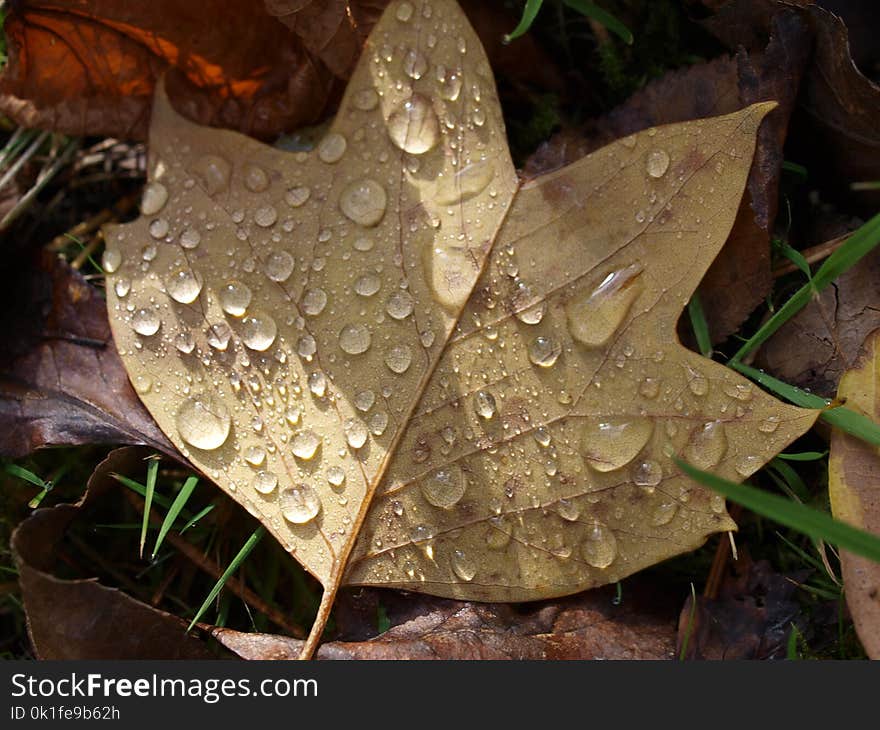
<point x="414" y="370"/>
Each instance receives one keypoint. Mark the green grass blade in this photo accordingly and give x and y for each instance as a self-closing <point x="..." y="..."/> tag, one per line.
<point x="591" y="10"/>
<point x="843" y="418"/>
<point x="25" y="474"/>
<point x="700" y="325"/>
<point x="809" y="521"/>
<point x="246" y="549"/>
<point x="795" y="256"/>
<point x="197" y="517"/>
<point x="140" y="489"/>
<point x="803" y="456"/>
<point x="860" y="243"/>
<point x="791" y="478"/>
<point x="150" y="488"/>
<point x="179" y="501"/>
<point x="530" y="12"/>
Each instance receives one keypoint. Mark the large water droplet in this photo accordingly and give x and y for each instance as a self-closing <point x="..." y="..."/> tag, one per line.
<point x="707" y="445"/>
<point x="367" y="285"/>
<point x="158" y="229"/>
<point x="533" y="314"/>
<point x="664" y="512"/>
<point x="404" y="12"/>
<point x="336" y="476"/>
<point x="568" y="510"/>
<point x="610" y="443"/>
<point x="657" y="163"/>
<point x="467" y="183"/>
<point x="421" y="533"/>
<point x="544" y="351"/>
<point x="300" y="504"/>
<point x="184" y="286"/>
<point x="235" y="297"/>
<point x="499" y="533"/>
<point x="305" y="444"/>
<point x="185" y="342"/>
<point x="297" y="196"/>
<point x="366" y="99"/>
<point x="332" y="147"/>
<point x="463" y="565"/>
<point x="444" y="487"/>
<point x="111" y="260"/>
<point x="354" y="339"/>
<point x="190" y="238"/>
<point x="279" y="266"/>
<point x="203" y="422"/>
<point x="647" y="473"/>
<point x="414" y="127"/>
<point x="314" y="301"/>
<point x="593" y="318"/>
<point x="255" y="455"/>
<point x="364" y="202"/>
<point x="697" y="382"/>
<point x="264" y="482"/>
<point x="154" y="197"/>
<point x="219" y="335"/>
<point x="213" y="172"/>
<point x="599" y="547"/>
<point x="258" y="331"/>
<point x="364" y="400"/>
<point x="398" y="359"/>
<point x="255" y="178"/>
<point x="146" y="321"/>
<point x="317" y="384"/>
<point x="265" y="216"/>
<point x="400" y="305"/>
<point x="415" y="64"/>
<point x="356" y="432"/>
<point x="484" y="404"/>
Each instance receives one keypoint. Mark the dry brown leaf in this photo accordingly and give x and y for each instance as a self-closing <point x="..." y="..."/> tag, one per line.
<point x="854" y="488"/>
<point x="287" y="318"/>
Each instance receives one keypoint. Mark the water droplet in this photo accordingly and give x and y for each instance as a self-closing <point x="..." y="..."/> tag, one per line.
<point x="769" y="425"/>
<point x="184" y="286"/>
<point x="332" y="148"/>
<point x="463" y="565"/>
<point x="264" y="482"/>
<point x="739" y="391"/>
<point x="235" y="297"/>
<point x="647" y="473"/>
<point x="365" y="99"/>
<point x="149" y="252"/>
<point x="356" y="433"/>
<point x="544" y="351"/>
<point x="610" y="443"/>
<point x="593" y="318"/>
<point x="498" y="534"/>
<point x="158" y="229"/>
<point x="532" y="315"/>
<point x="304" y="444"/>
<point x="747" y="465"/>
<point x="414" y="127"/>
<point x="111" y="260"/>
<point x="444" y="487"/>
<point x="300" y="504"/>
<point x="336" y="476"/>
<point x="364" y="202"/>
<point x="378" y="423"/>
<point x="467" y="183"/>
<point x="203" y="422"/>
<point x="142" y="384"/>
<point x="415" y="64"/>
<point x="154" y="197"/>
<point x="398" y="359"/>
<point x="354" y="339"/>
<point x="279" y="266"/>
<point x="400" y="305"/>
<point x="664" y="512"/>
<point x="295" y="197"/>
<point x="421" y="533"/>
<point x="190" y="238"/>
<point x="255" y="178"/>
<point x="404" y="12"/>
<point x="317" y="384"/>
<point x="450" y="85"/>
<point x="707" y="445"/>
<point x="219" y="336"/>
<point x="484" y="404"/>
<point x="146" y="321"/>
<point x="314" y="301"/>
<point x="367" y="285"/>
<point x="306" y="347"/>
<point x="122" y="287"/>
<point x="364" y="400"/>
<point x="363" y="243"/>
<point x="292" y="414"/>
<point x="650" y="388"/>
<point x="184" y="342"/>
<point x="568" y="510"/>
<point x="542" y="436"/>
<point x="599" y="548"/>
<point x="265" y="216"/>
<point x="657" y="163"/>
<point x="697" y="382"/>
<point x="213" y="173"/>
<point x="258" y="331"/>
<point x="255" y="455"/>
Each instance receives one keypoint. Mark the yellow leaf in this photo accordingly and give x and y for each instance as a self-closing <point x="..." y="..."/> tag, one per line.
<point x="854" y="485"/>
<point x="392" y="313"/>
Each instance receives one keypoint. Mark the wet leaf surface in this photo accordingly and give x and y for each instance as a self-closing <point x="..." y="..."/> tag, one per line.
<point x="388" y="347"/>
<point x="854" y="486"/>
<point x="63" y="382"/>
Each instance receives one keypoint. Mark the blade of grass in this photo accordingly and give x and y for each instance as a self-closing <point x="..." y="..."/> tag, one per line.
<point x="246" y="549"/>
<point x="152" y="473"/>
<point x="176" y="506"/>
<point x="807" y="520"/>
<point x="843" y="418"/>
<point x="690" y="625"/>
<point x="140" y="489"/>
<point x="803" y="456"/>
<point x="197" y="517"/>
<point x="791" y="477"/>
<point x="699" y="325"/>
<point x="530" y="12"/>
<point x="591" y="10"/>
<point x="860" y="243"/>
<point x="28" y="476"/>
<point x="795" y="256"/>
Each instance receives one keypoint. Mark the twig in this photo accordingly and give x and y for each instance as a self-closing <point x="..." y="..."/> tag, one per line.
<point x="812" y="255"/>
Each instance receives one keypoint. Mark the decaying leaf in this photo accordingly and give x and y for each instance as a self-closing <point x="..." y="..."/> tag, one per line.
<point x="854" y="488"/>
<point x="392" y="314"/>
<point x="63" y="382"/>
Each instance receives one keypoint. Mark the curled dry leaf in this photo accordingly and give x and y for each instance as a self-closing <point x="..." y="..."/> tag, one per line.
<point x="62" y="382"/>
<point x="388" y="350"/>
<point x="81" y="619"/>
<point x="854" y="488"/>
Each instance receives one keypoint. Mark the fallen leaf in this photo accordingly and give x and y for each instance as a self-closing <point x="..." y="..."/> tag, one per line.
<point x="62" y="382"/>
<point x="740" y="278"/>
<point x="291" y="313"/>
<point x="750" y="619"/>
<point x="81" y="619"/>
<point x="854" y="485"/>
